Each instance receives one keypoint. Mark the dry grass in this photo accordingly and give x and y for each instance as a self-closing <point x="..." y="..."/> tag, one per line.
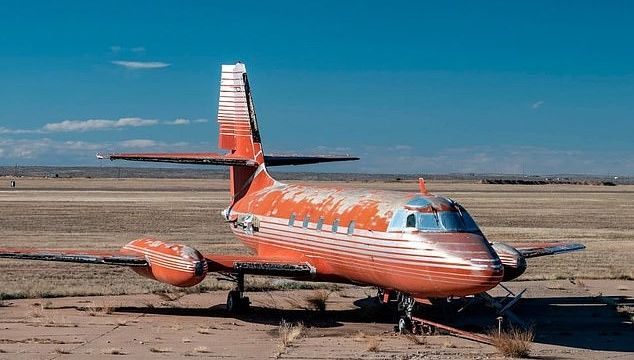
<point x="47" y="305"/>
<point x="202" y="350"/>
<point x="287" y="334"/>
<point x="113" y="351"/>
<point x="171" y="295"/>
<point x="415" y="339"/>
<point x="161" y="350"/>
<point x="62" y="351"/>
<point x="318" y="300"/>
<point x="102" y="219"/>
<point x="374" y="344"/>
<point x="204" y="330"/>
<point x="513" y="343"/>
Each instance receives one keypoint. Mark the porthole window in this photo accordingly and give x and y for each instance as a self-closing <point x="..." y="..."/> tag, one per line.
<point x="306" y="221"/>
<point x="291" y="220"/>
<point x="335" y="225"/>
<point x="351" y="227"/>
<point x="320" y="223"/>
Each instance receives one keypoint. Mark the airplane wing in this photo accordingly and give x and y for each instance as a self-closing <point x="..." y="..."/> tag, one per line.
<point x="531" y="250"/>
<point x="253" y="265"/>
<point x="250" y="265"/>
<point x="76" y="256"/>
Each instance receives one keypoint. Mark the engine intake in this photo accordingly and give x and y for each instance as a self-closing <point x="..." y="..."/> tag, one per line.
<point x="514" y="263"/>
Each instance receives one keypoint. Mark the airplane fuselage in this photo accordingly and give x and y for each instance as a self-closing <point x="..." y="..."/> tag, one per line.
<point x="369" y="237"/>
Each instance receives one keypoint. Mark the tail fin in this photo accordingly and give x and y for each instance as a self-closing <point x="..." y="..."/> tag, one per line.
<point x="240" y="136"/>
<point x="238" y="131"/>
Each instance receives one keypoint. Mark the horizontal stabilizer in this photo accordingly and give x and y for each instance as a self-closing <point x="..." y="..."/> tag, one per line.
<point x="281" y="160"/>
<point x="76" y="256"/>
<point x="228" y="160"/>
<point x="536" y="250"/>
<point x="183" y="158"/>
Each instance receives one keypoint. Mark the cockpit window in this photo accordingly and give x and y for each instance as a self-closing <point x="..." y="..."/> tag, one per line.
<point x="411" y="221"/>
<point x="457" y="220"/>
<point x="435" y="221"/>
<point x="428" y="221"/>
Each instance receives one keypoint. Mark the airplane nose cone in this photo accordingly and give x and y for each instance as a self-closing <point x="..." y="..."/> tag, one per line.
<point x="488" y="271"/>
<point x="482" y="269"/>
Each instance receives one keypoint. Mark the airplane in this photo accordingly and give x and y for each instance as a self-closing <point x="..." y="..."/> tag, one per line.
<point x="412" y="247"/>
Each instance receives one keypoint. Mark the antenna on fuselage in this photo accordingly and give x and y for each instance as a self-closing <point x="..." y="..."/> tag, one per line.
<point x="422" y="186"/>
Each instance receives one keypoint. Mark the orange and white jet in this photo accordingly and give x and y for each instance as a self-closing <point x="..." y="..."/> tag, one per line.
<point x="419" y="246"/>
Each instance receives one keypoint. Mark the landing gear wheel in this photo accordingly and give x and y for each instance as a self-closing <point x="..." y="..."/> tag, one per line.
<point x="404" y="325"/>
<point x="234" y="301"/>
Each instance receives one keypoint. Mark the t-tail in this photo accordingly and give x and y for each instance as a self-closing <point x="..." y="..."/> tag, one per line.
<point x="239" y="136"/>
<point x="239" y="133"/>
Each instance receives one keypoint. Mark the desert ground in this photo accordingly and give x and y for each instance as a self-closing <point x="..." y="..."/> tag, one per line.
<point x="580" y="303"/>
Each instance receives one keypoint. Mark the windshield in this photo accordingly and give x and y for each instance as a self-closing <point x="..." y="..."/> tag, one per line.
<point x="458" y="221"/>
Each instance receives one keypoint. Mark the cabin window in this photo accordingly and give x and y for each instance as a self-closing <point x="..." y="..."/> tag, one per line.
<point x="335" y="225"/>
<point x="291" y="220"/>
<point x="411" y="221"/>
<point x="320" y="223"/>
<point x="351" y="227"/>
<point x="306" y="221"/>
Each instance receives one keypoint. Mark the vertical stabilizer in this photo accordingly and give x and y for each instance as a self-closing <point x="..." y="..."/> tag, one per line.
<point x="239" y="133"/>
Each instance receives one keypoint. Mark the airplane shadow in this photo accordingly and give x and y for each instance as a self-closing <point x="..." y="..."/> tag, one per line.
<point x="592" y="323"/>
<point x="578" y="322"/>
<point x="367" y="311"/>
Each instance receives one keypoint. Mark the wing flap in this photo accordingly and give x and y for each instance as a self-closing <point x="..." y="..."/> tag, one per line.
<point x="543" y="249"/>
<point x="253" y="265"/>
<point x="74" y="256"/>
<point x="183" y="158"/>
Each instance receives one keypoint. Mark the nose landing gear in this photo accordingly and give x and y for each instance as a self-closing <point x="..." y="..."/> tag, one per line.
<point x="405" y="306"/>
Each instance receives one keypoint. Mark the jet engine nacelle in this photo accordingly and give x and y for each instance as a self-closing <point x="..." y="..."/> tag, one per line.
<point x="173" y="264"/>
<point x="514" y="263"/>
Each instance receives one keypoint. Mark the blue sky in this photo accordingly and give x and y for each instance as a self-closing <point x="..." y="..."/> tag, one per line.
<point x="534" y="87"/>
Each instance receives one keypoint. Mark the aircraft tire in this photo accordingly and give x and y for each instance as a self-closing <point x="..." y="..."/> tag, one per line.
<point x="237" y="303"/>
<point x="404" y="325"/>
<point x="233" y="301"/>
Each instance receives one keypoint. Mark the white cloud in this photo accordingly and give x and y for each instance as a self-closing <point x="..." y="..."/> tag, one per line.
<point x="81" y="145"/>
<point x="538" y="104"/>
<point x="136" y="65"/>
<point x="96" y="124"/>
<point x="4" y="130"/>
<point x="200" y="121"/>
<point x="138" y="49"/>
<point x="177" y="122"/>
<point x="72" y="152"/>
<point x="138" y="143"/>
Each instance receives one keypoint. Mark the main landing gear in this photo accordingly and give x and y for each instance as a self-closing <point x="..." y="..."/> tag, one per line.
<point x="236" y="301"/>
